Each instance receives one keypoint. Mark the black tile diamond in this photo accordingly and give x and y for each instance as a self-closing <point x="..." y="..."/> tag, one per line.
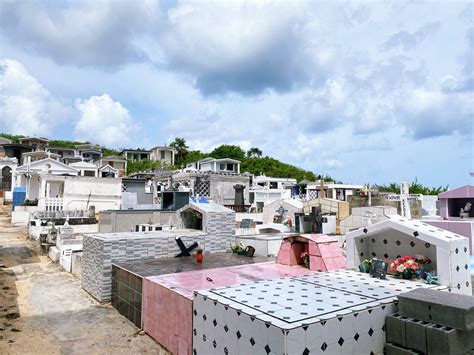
<point x="412" y="244"/>
<point x="238" y="334"/>
<point x="324" y="347"/>
<point x="456" y="250"/>
<point x="427" y="245"/>
<point x="195" y="312"/>
<point x="204" y="338"/>
<point x="385" y="255"/>
<point x="226" y="328"/>
<point x="371" y="331"/>
<point x="385" y="241"/>
<point x="373" y="240"/>
<point x="356" y="336"/>
<point x="415" y="233"/>
<point x="194" y="352"/>
<point x="226" y="351"/>
<point x="365" y="231"/>
<point x="194" y="331"/>
<point x="361" y="254"/>
<point x="214" y="344"/>
<point x="267" y="349"/>
<point x="204" y="317"/>
<point x="340" y="341"/>
<point x="457" y="268"/>
<point x="252" y="341"/>
<point x="398" y="242"/>
<point x="374" y="254"/>
<point x="305" y="351"/>
<point x="465" y="249"/>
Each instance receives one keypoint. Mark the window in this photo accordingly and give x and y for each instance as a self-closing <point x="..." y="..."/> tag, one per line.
<point x="230" y="167"/>
<point x="162" y="154"/>
<point x="221" y="166"/>
<point x="89" y="173"/>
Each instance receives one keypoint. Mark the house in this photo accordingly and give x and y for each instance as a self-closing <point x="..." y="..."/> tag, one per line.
<point x="215" y="186"/>
<point x="37" y="143"/>
<point x="135" y="154"/>
<point x="60" y="187"/>
<point x="85" y="168"/>
<point x="216" y="165"/>
<point x="163" y="154"/>
<point x="30" y="157"/>
<point x="116" y="163"/>
<point x="16" y="150"/>
<point x="331" y="190"/>
<point x="90" y="152"/>
<point x="4" y="140"/>
<point x="67" y="155"/>
<point x="268" y="189"/>
<point x="108" y="172"/>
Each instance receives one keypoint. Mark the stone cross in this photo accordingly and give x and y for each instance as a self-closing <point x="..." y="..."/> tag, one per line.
<point x="404" y="197"/>
<point x="281" y="211"/>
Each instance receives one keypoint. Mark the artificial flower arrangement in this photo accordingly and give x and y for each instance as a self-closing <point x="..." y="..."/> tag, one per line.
<point x="408" y="266"/>
<point x="305" y="256"/>
<point x="238" y="248"/>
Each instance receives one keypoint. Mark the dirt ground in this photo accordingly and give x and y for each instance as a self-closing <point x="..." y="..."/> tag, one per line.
<point x="43" y="309"/>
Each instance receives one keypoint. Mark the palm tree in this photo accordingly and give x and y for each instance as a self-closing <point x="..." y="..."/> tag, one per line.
<point x="254" y="152"/>
<point x="181" y="148"/>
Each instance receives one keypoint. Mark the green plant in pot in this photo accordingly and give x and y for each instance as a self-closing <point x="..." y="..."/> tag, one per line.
<point x="365" y="266"/>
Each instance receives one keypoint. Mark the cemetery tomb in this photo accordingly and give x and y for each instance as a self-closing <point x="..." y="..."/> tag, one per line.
<point x="171" y="297"/>
<point x="337" y="312"/>
<point x="102" y="249"/>
<point x="127" y="277"/>
<point x="323" y="252"/>
<point x="397" y="236"/>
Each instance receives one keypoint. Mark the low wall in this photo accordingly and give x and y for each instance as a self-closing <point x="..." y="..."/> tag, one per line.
<point x="116" y="221"/>
<point x="35" y="231"/>
<point x="21" y="214"/>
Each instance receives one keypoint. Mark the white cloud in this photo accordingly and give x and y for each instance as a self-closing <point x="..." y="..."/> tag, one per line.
<point x="26" y="107"/>
<point x="104" y="121"/>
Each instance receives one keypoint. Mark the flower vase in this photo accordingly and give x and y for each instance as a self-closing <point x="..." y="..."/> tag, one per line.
<point x="364" y="268"/>
<point x="407" y="274"/>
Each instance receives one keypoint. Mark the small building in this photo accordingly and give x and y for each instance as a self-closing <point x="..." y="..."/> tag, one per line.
<point x="136" y="193"/>
<point x="66" y="154"/>
<point x="38" y="155"/>
<point x="331" y="190"/>
<point x="397" y="237"/>
<point x="164" y="154"/>
<point x="85" y="168"/>
<point x="29" y="176"/>
<point x="216" y="165"/>
<point x="268" y="189"/>
<point x="116" y="163"/>
<point x="38" y="143"/>
<point x="16" y="150"/>
<point x="4" y="140"/>
<point x="135" y="154"/>
<point x="90" y="152"/>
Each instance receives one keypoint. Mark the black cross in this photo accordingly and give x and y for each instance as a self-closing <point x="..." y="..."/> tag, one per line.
<point x="185" y="251"/>
<point x="281" y="211"/>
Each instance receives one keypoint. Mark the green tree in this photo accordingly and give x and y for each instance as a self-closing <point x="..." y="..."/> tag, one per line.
<point x="134" y="166"/>
<point x="181" y="149"/>
<point x="228" y="151"/>
<point x="415" y="188"/>
<point x="254" y="153"/>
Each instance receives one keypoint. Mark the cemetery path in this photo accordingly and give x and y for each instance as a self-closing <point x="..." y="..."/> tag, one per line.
<point x="43" y="309"/>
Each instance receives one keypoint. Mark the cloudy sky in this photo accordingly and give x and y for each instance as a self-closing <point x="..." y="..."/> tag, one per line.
<point x="363" y="91"/>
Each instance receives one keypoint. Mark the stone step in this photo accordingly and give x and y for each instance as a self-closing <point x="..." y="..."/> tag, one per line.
<point x="13" y="229"/>
<point x="439" y="307"/>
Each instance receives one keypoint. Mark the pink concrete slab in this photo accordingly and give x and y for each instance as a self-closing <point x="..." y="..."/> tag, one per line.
<point x="466" y="191"/>
<point x="316" y="263"/>
<point x="314" y="249"/>
<point x="330" y="250"/>
<point x="168" y="299"/>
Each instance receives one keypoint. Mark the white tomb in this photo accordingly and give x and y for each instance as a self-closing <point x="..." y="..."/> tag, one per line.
<point x="398" y="236"/>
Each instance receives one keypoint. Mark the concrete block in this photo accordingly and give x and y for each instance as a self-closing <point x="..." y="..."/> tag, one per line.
<point x="442" y="340"/>
<point x="450" y="309"/>
<point x="54" y="254"/>
<point x="396" y="329"/>
<point x="392" y="349"/>
<point x="416" y="334"/>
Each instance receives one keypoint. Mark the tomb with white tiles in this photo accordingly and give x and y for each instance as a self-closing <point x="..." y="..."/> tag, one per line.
<point x="398" y="236"/>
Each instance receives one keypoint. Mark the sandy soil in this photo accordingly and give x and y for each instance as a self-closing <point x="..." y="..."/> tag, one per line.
<point x="43" y="309"/>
